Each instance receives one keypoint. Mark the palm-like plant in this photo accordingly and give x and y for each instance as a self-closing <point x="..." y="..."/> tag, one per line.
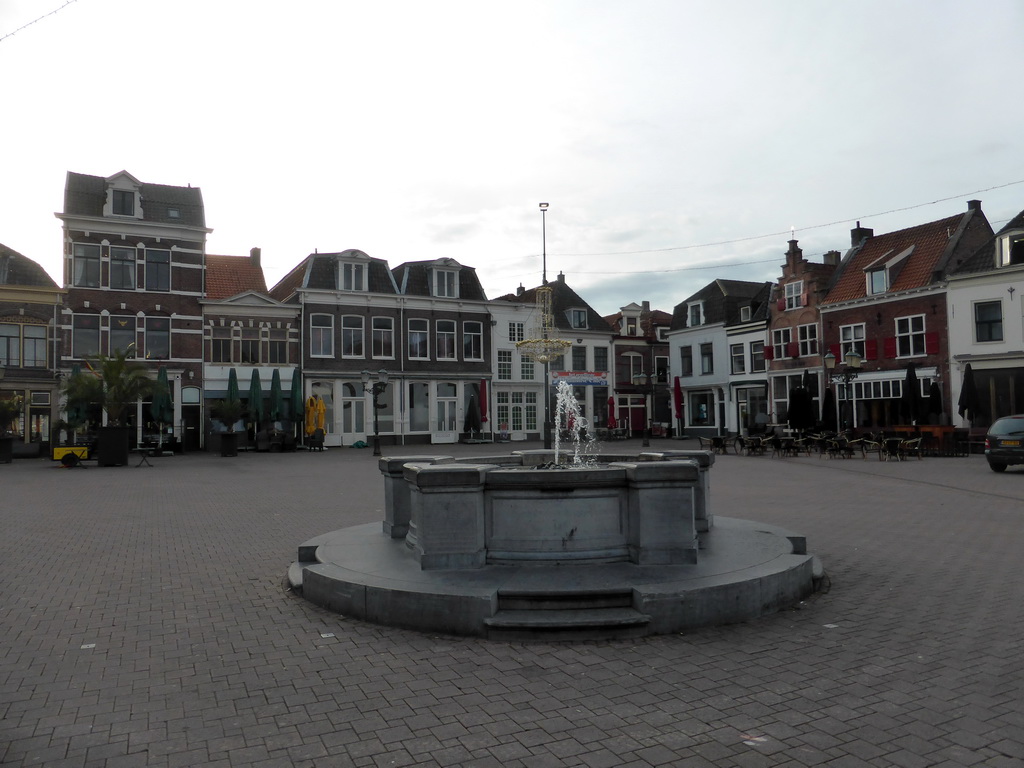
<point x="228" y="412"/>
<point x="10" y="409"/>
<point x="114" y="382"/>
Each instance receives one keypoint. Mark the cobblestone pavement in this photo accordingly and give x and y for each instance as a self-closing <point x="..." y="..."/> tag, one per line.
<point x="146" y="622"/>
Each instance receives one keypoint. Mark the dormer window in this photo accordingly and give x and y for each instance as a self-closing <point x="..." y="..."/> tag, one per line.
<point x="1011" y="250"/>
<point x="446" y="284"/>
<point x="695" y="314"/>
<point x="577" y="318"/>
<point x="353" y="276"/>
<point x="745" y="314"/>
<point x="882" y="272"/>
<point x="631" y="326"/>
<point x="123" y="202"/>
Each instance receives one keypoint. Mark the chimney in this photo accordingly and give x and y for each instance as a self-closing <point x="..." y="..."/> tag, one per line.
<point x="646" y="306"/>
<point x="859" y="233"/>
<point x="254" y="256"/>
<point x="831" y="259"/>
<point x="974" y="205"/>
<point x="520" y="290"/>
<point x="561" y="277"/>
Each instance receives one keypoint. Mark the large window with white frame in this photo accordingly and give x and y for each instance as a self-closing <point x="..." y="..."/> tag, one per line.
<point x="737" y="359"/>
<point x="473" y="340"/>
<point x="851" y="339"/>
<point x="158" y="270"/>
<point x="321" y="335"/>
<point x="158" y="338"/>
<point x="579" y="358"/>
<point x="757" y="362"/>
<point x="910" y="336"/>
<point x="220" y="344"/>
<point x="781" y="337"/>
<point x="123" y="202"/>
<point x="122" y="268"/>
<point x="85" y="335"/>
<point x="86" y="265"/>
<point x="122" y="333"/>
<point x="352" y="336"/>
<point x="988" y="321"/>
<point x="707" y="358"/>
<point x="600" y="358"/>
<point x="446" y="283"/>
<point x="22" y="345"/>
<point x="794" y="294"/>
<point x="577" y="318"/>
<point x="277" y="346"/>
<point x="686" y="361"/>
<point x="383" y="330"/>
<point x="527" y="369"/>
<point x="353" y="276"/>
<point x="505" y="365"/>
<point x="249" y="346"/>
<point x="419" y="338"/>
<point x="445" y="340"/>
<point x="515" y="332"/>
<point x="807" y="335"/>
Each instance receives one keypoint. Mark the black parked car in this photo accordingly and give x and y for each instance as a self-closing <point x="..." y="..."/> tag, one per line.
<point x="1004" y="443"/>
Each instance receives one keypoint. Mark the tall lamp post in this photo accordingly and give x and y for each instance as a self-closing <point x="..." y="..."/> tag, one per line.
<point x="639" y="379"/>
<point x="547" y="362"/>
<point x="851" y="364"/>
<point x="376" y="389"/>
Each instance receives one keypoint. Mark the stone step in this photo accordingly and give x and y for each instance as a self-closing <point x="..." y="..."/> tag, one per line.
<point x="573" y="600"/>
<point x="566" y="624"/>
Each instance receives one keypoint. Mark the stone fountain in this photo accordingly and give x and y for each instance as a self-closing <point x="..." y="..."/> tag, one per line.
<point x="541" y="544"/>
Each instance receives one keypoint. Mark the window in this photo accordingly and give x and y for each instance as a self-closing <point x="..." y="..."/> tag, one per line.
<point x="250" y="346"/>
<point x="419" y="339"/>
<point x="707" y="359"/>
<point x="686" y="361"/>
<point x="383" y="330"/>
<point x="446" y="340"/>
<point x="352" y="336"/>
<point x="851" y="338"/>
<point x="910" y="336"/>
<point x="86" y="265"/>
<point x="757" y="356"/>
<point x="505" y="364"/>
<point x="780" y="341"/>
<point x="635" y="365"/>
<point x="124" y="202"/>
<point x="807" y="335"/>
<point x="220" y="349"/>
<point x="988" y="321"/>
<point x="738" y="361"/>
<point x="321" y="336"/>
<point x="661" y="333"/>
<point x="353" y="277"/>
<point x="10" y="344"/>
<point x="794" y="294"/>
<point x="173" y="213"/>
<point x="122" y="333"/>
<point x="1011" y="250"/>
<point x="122" y="268"/>
<point x="33" y="351"/>
<point x="878" y="281"/>
<point x="158" y="270"/>
<point x="702" y="409"/>
<point x="579" y="358"/>
<point x="472" y="340"/>
<point x="661" y="369"/>
<point x="745" y="314"/>
<point x="515" y="332"/>
<point x="577" y="318"/>
<point x="158" y="338"/>
<point x="277" y="347"/>
<point x="696" y="314"/>
<point x="446" y="284"/>
<point x="600" y="358"/>
<point x="85" y="335"/>
<point x="526" y="369"/>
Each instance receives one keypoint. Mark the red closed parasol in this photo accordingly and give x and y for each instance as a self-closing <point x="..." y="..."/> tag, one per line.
<point x="611" y="413"/>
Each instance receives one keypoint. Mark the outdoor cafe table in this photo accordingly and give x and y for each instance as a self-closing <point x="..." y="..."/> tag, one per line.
<point x="938" y="439"/>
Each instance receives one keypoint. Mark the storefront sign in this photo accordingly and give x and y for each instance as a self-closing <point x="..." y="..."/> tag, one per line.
<point x="581" y="378"/>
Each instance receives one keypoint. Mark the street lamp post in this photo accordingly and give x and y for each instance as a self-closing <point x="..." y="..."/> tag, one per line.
<point x="376" y="389"/>
<point x="548" y="428"/>
<point x="851" y="364"/>
<point x="639" y="379"/>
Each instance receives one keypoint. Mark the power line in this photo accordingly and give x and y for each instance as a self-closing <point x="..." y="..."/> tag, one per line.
<point x="24" y="26"/>
<point x="786" y="232"/>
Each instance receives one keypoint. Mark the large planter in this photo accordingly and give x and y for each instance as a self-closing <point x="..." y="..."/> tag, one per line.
<point x="229" y="444"/>
<point x="6" y="449"/>
<point x="112" y="446"/>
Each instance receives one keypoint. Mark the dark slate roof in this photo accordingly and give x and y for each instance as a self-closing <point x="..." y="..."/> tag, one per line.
<point x="650" y="320"/>
<point x="413" y="279"/>
<point x="723" y="300"/>
<point x="16" y="269"/>
<point x="563" y="298"/>
<point x="84" y="195"/>
<point x="231" y="275"/>
<point x="319" y="271"/>
<point x="984" y="259"/>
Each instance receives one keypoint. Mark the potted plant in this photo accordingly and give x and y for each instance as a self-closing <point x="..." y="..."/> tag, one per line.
<point x="228" y="412"/>
<point x="116" y="383"/>
<point x="10" y="410"/>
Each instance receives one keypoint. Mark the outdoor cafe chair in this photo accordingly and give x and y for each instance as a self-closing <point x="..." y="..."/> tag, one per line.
<point x="892" y="449"/>
<point x="912" y="447"/>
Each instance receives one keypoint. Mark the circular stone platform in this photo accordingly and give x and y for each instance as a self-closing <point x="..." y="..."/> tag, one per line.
<point x="745" y="570"/>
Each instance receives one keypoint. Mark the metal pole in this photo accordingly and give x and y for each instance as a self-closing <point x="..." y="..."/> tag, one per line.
<point x="376" y="419"/>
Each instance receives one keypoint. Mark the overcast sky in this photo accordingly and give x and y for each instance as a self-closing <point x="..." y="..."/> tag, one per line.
<point x="676" y="142"/>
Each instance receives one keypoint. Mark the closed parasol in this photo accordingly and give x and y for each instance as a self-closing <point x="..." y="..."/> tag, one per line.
<point x="473" y="423"/>
<point x="483" y="401"/>
<point x="161" y="407"/>
<point x="295" y="407"/>
<point x="967" y="405"/>
<point x="321" y="413"/>
<point x="910" y="401"/>
<point x="276" y="397"/>
<point x="311" y="415"/>
<point x="612" y="423"/>
<point x="232" y="385"/>
<point x="255" y="400"/>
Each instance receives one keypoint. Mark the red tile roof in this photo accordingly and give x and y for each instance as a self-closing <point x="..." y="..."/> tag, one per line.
<point x="228" y="276"/>
<point x="929" y="242"/>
